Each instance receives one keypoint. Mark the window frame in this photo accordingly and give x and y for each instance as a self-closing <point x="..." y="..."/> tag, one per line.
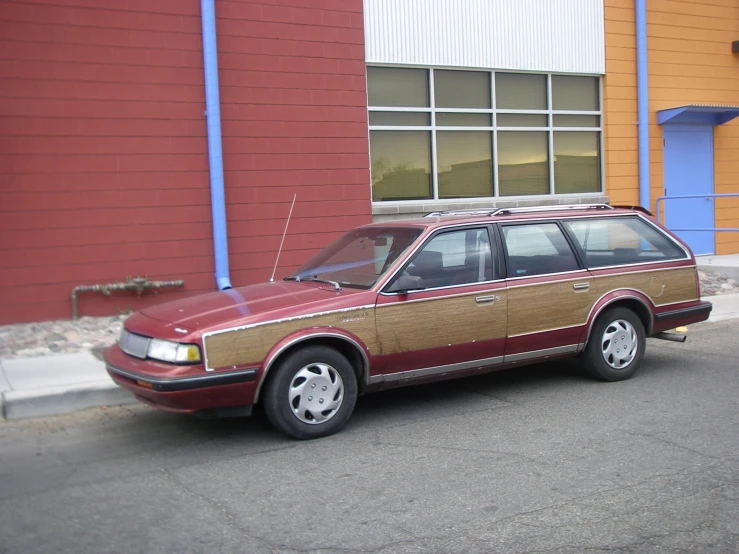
<point x="650" y="224"/>
<point x="574" y="249"/>
<point x="494" y="129"/>
<point x="495" y="251"/>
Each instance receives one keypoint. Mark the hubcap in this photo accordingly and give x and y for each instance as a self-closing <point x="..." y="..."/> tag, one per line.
<point x="316" y="393"/>
<point x="619" y="344"/>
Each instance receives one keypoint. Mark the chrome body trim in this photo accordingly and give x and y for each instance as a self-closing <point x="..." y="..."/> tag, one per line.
<point x="548" y="330"/>
<point x="389" y="294"/>
<point x="297" y="340"/>
<point x="284" y="319"/>
<point x="469" y="293"/>
<point x="436" y="370"/>
<point x="570" y="348"/>
<point x="542" y="275"/>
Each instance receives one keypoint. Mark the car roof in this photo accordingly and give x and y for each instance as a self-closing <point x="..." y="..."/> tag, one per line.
<point x="501" y="215"/>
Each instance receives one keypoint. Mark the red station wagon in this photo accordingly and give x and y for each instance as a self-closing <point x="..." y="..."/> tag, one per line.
<point x="390" y="304"/>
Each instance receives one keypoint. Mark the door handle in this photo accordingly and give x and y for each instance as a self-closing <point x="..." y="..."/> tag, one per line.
<point x="581" y="286"/>
<point x="484" y="299"/>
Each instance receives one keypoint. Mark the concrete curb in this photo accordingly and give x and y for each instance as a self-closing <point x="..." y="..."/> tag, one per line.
<point x="50" y="401"/>
<point x="59" y="384"/>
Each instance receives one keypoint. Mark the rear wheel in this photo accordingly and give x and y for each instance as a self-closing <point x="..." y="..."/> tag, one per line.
<point x="312" y="393"/>
<point x="616" y="345"/>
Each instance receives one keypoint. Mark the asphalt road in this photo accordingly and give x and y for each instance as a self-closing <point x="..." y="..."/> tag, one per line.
<point x="539" y="459"/>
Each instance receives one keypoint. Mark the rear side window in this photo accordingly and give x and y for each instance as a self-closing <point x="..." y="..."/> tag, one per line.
<point x="622" y="240"/>
<point x="537" y="249"/>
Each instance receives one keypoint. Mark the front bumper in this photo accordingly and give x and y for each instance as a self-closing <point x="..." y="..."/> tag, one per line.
<point x="180" y="388"/>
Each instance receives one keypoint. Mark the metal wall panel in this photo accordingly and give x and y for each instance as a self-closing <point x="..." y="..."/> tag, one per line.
<point x="527" y="35"/>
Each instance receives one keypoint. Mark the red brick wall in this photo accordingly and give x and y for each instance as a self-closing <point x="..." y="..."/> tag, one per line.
<point x="103" y="149"/>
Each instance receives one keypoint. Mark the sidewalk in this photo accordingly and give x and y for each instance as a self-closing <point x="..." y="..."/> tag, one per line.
<point x="62" y="383"/>
<point x="725" y="264"/>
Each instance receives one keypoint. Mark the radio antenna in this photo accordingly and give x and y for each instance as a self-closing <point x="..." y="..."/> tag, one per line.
<point x="271" y="279"/>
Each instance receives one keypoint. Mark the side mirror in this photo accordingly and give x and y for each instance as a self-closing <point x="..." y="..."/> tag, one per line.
<point x="381" y="241"/>
<point x="406" y="283"/>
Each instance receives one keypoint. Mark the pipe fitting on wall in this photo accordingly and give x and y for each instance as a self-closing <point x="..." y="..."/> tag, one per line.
<point x="139" y="284"/>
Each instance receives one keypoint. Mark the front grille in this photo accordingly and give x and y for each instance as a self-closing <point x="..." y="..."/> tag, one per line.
<point x="134" y="345"/>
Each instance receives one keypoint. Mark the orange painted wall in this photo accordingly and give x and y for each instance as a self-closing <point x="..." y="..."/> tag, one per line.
<point x="690" y="62"/>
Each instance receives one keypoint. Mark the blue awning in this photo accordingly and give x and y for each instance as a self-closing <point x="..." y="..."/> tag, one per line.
<point x="698" y="114"/>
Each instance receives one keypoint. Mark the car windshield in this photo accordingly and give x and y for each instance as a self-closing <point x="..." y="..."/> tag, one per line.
<point x="360" y="257"/>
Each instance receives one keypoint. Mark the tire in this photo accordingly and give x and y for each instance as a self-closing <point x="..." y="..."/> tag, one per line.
<point x="616" y="345"/>
<point x="306" y="381"/>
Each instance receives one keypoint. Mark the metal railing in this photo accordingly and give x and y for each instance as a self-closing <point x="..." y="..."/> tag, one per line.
<point x="688" y="197"/>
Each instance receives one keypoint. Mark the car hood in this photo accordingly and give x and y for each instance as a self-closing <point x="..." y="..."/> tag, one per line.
<point x="253" y="303"/>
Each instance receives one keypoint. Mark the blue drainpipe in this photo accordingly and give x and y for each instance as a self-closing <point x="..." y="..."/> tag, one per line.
<point x="642" y="96"/>
<point x="215" y="153"/>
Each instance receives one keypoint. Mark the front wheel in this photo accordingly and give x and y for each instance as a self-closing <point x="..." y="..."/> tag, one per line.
<point x="616" y="346"/>
<point x="312" y="393"/>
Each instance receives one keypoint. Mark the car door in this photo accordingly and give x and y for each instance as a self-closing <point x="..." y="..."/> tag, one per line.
<point x="550" y="293"/>
<point x="444" y="310"/>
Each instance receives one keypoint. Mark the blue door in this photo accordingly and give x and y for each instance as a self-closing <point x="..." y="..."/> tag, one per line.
<point x="688" y="162"/>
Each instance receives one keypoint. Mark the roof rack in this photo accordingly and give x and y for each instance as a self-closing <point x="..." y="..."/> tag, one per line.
<point x="476" y="211"/>
<point x="508" y="211"/>
<point x="552" y="208"/>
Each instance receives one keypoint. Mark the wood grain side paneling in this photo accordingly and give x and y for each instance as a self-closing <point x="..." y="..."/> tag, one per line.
<point x="547" y="306"/>
<point x="661" y="287"/>
<point x="251" y="346"/>
<point x="401" y="327"/>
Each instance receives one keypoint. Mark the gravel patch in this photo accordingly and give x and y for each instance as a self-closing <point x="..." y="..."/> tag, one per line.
<point x="25" y="340"/>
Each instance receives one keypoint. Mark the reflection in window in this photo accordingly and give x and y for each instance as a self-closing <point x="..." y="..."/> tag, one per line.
<point x="576" y="162"/>
<point x="463" y="119"/>
<point x="453" y="258"/>
<point x="575" y="93"/>
<point x="390" y="86"/>
<point x="520" y="91"/>
<point x="465" y="164"/>
<point x="462" y="89"/>
<point x="537" y="249"/>
<point x="522" y="120"/>
<point x="400" y="165"/>
<point x="399" y="118"/>
<point x="617" y="241"/>
<point x="523" y="163"/>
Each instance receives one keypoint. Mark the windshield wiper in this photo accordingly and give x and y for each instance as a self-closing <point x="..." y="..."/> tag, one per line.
<point x="298" y="279"/>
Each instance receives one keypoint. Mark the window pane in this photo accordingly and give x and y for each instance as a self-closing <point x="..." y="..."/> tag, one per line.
<point x="454" y="258"/>
<point x="576" y="162"/>
<point x="398" y="118"/>
<point x="359" y="257"/>
<point x="400" y="165"/>
<point x="465" y="164"/>
<point x="520" y="91"/>
<point x="617" y="241"/>
<point x="461" y="89"/>
<point x="391" y="86"/>
<point x="521" y="120"/>
<point x="463" y="119"/>
<point x="523" y="163"/>
<point x="536" y="249"/>
<point x="575" y="93"/>
<point x="576" y="120"/>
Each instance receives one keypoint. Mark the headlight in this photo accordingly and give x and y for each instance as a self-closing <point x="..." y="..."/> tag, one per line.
<point x="173" y="352"/>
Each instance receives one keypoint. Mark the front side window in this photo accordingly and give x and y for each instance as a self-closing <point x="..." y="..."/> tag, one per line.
<point x="537" y="249"/>
<point x="445" y="134"/>
<point x="451" y="258"/>
<point x="360" y="257"/>
<point x="622" y="240"/>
